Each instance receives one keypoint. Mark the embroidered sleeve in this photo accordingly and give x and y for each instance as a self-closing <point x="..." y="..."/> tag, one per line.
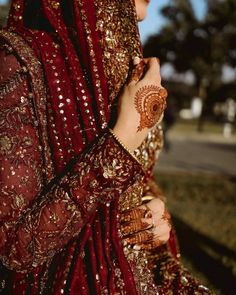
<point x="38" y="220"/>
<point x="152" y="190"/>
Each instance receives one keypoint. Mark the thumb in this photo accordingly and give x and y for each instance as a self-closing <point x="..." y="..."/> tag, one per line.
<point x="137" y="71"/>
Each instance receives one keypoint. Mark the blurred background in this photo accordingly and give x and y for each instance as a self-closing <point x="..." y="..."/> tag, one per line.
<point x="196" y="43"/>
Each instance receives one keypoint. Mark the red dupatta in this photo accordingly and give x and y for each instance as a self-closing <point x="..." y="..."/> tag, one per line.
<point x="85" y="57"/>
<point x="67" y="243"/>
<point x="85" y="49"/>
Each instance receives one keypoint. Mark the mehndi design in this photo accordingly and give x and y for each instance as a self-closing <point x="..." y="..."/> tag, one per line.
<point x="141" y="237"/>
<point x="150" y="102"/>
<point x="155" y="243"/>
<point x="138" y="72"/>
<point x="134" y="227"/>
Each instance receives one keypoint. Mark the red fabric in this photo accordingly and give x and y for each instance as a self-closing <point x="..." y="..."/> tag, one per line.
<point x="66" y="241"/>
<point x="71" y="62"/>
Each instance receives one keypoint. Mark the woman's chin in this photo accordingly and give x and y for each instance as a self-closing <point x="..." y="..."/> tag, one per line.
<point x="142" y="16"/>
<point x="141" y="9"/>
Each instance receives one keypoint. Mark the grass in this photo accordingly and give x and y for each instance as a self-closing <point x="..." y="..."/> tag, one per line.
<point x="190" y="126"/>
<point x="204" y="213"/>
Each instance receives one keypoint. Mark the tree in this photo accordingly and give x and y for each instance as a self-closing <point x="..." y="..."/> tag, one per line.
<point x="4" y="9"/>
<point x="203" y="47"/>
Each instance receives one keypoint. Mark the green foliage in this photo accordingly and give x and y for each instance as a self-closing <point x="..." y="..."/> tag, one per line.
<point x="202" y="46"/>
<point x="221" y="21"/>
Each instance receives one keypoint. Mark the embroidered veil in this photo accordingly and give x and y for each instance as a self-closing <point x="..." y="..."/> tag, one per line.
<point x="64" y="178"/>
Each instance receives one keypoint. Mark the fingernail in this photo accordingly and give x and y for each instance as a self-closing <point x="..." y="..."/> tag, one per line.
<point x="158" y="60"/>
<point x="136" y="60"/>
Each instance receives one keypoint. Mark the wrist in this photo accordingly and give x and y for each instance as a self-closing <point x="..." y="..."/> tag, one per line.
<point x="126" y="138"/>
<point x="123" y="145"/>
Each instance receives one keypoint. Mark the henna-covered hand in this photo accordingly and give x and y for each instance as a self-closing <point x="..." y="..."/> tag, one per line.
<point x="141" y="103"/>
<point x="138" y="71"/>
<point x="146" y="227"/>
<point x="150" y="103"/>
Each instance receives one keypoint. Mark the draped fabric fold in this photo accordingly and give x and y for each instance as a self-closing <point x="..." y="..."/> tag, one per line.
<point x="73" y="178"/>
<point x="64" y="179"/>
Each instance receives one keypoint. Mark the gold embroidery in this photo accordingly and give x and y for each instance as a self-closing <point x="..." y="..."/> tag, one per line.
<point x="6" y="144"/>
<point x="149" y="151"/>
<point x="11" y="84"/>
<point x="143" y="276"/>
<point x="55" y="4"/>
<point x="146" y="154"/>
<point x="19" y="201"/>
<point x="97" y="84"/>
<point x="171" y="273"/>
<point x="116" y="21"/>
<point x="109" y="171"/>
<point x="132" y="197"/>
<point x="38" y="100"/>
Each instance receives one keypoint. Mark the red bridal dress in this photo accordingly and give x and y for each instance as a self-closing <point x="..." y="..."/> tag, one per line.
<point x="64" y="178"/>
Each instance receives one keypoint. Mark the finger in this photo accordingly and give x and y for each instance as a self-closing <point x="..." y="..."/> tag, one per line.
<point x="163" y="218"/>
<point x="148" y="213"/>
<point x="136" y="226"/>
<point x="156" y="242"/>
<point x="153" y="70"/>
<point x="163" y="237"/>
<point x="166" y="215"/>
<point x="162" y="229"/>
<point x="137" y="72"/>
<point x="158" y="217"/>
<point x="133" y="214"/>
<point x="148" y="58"/>
<point x="140" y="237"/>
<point x="157" y="206"/>
<point x="149" y="246"/>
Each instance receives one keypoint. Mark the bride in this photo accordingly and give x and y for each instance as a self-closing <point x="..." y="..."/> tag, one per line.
<point x="80" y="113"/>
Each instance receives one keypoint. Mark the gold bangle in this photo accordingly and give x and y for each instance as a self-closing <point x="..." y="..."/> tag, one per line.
<point x="124" y="147"/>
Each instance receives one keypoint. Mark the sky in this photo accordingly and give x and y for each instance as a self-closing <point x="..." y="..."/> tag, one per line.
<point x="154" y="20"/>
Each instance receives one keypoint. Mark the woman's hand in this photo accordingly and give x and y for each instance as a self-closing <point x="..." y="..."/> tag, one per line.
<point x="141" y="104"/>
<point x="147" y="226"/>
